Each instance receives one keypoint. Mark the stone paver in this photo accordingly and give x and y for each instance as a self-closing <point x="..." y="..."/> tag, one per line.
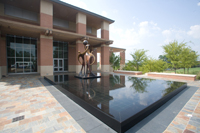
<point x="25" y="96"/>
<point x="188" y="119"/>
<point x="27" y="106"/>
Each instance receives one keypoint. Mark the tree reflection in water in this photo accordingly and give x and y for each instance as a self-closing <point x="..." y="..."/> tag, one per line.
<point x="114" y="79"/>
<point x="173" y="86"/>
<point x="139" y="84"/>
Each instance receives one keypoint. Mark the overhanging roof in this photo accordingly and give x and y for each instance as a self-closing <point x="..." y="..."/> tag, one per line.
<point x="83" y="10"/>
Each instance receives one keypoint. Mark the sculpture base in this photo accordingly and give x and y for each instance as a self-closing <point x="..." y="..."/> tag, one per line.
<point x="87" y="76"/>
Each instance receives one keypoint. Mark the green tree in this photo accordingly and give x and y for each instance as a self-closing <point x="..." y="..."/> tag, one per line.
<point x="153" y="65"/>
<point x="115" y="61"/>
<point x="186" y="58"/>
<point x="139" y="56"/>
<point x="193" y="56"/>
<point x="173" y="52"/>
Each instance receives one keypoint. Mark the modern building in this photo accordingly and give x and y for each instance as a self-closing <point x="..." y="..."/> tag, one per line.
<point x="44" y="36"/>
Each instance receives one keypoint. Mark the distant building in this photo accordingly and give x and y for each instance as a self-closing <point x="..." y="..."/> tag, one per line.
<point x="44" y="36"/>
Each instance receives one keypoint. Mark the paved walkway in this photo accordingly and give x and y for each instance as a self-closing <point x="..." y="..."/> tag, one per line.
<point x="188" y="119"/>
<point x="27" y="106"/>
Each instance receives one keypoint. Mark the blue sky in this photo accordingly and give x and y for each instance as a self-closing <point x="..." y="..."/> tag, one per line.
<point x="145" y="24"/>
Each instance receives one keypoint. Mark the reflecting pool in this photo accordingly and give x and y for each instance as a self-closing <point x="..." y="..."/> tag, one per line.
<point x="119" y="97"/>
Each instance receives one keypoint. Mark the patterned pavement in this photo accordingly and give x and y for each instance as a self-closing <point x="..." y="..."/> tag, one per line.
<point x="188" y="119"/>
<point x="27" y="106"/>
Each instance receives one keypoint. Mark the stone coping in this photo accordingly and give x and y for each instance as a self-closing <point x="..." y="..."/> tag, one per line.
<point x="171" y="74"/>
<point x="127" y="71"/>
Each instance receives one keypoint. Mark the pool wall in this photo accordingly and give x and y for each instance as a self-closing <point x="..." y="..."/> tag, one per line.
<point x="120" y="127"/>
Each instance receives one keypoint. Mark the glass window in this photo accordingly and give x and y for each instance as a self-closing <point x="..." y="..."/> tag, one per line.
<point x="65" y="47"/>
<point x="24" y="54"/>
<point x="18" y="39"/>
<point x="33" y="43"/>
<point x="60" y="46"/>
<point x="10" y="41"/>
<point x="60" y="54"/>
<point x="27" y="52"/>
<point x="33" y="53"/>
<point x="27" y="43"/>
<point x="10" y="52"/>
<point x="65" y="54"/>
<point x="89" y="29"/>
<point x="55" y="46"/>
<point x="60" y="51"/>
<point x="65" y="65"/>
<point x="19" y="59"/>
<point x="19" y="52"/>
<point x="55" y="54"/>
<point x="27" y="59"/>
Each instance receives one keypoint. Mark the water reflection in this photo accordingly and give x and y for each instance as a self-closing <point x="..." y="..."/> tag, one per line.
<point x="116" y="95"/>
<point x="139" y="84"/>
<point x="173" y="86"/>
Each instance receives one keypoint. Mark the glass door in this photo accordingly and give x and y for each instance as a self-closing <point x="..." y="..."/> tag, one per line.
<point x="58" y="65"/>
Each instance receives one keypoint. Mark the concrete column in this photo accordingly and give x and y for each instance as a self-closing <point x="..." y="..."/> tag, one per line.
<point x="79" y="47"/>
<point x="81" y="23"/>
<point x="72" y="58"/>
<point x="105" y="30"/>
<point x="122" y="61"/>
<point x="46" y="55"/>
<point x="110" y="53"/>
<point x="46" y="14"/>
<point x="105" y="64"/>
<point x="99" y="61"/>
<point x="94" y="66"/>
<point x="3" y="56"/>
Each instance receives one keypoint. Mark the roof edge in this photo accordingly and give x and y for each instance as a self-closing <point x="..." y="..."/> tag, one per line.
<point x="82" y="10"/>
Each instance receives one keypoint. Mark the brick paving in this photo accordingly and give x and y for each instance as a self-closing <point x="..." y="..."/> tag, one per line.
<point x="188" y="119"/>
<point x="27" y="106"/>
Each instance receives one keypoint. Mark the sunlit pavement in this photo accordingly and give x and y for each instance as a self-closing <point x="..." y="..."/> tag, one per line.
<point x="27" y="106"/>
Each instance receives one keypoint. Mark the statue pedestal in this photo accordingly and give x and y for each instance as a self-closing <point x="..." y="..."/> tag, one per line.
<point x="88" y="76"/>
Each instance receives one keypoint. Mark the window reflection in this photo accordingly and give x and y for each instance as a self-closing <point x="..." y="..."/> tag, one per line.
<point x="21" y="54"/>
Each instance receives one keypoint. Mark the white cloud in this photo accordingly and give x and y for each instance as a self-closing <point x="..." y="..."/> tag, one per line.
<point x="166" y="32"/>
<point x="173" y="34"/>
<point x="198" y="4"/>
<point x="104" y="13"/>
<point x="131" y="38"/>
<point x="77" y="3"/>
<point x="194" y="31"/>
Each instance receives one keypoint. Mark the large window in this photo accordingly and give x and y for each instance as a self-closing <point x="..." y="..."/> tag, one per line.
<point x="20" y="13"/>
<point x="21" y="54"/>
<point x="60" y="56"/>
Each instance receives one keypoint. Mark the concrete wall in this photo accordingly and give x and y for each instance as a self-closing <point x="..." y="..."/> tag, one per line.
<point x="105" y="64"/>
<point x="46" y="14"/>
<point x="81" y="23"/>
<point x="3" y="56"/>
<point x="0" y="72"/>
<point x="46" y="55"/>
<point x="72" y="26"/>
<point x="105" y="30"/>
<point x="72" y="58"/>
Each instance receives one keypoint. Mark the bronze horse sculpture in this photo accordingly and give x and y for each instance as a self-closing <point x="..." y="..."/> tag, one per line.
<point x="89" y="56"/>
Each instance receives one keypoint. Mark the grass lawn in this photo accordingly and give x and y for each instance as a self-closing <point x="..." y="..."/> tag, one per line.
<point x="193" y="71"/>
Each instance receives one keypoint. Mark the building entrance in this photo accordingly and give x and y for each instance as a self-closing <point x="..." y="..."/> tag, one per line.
<point x="58" y="65"/>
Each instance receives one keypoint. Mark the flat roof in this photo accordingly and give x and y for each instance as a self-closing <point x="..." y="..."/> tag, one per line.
<point x="82" y="10"/>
